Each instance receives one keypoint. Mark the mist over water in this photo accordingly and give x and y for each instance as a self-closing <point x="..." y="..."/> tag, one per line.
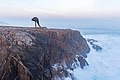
<point x="103" y="65"/>
<point x="108" y="31"/>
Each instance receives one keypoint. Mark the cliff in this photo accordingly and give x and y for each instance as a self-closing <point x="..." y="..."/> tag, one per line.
<point x="40" y="53"/>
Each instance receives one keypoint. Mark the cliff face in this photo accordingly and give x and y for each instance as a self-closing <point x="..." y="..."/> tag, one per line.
<point x="40" y="53"/>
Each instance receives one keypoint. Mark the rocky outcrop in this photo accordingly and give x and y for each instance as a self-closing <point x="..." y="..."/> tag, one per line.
<point x="94" y="46"/>
<point x="40" y="53"/>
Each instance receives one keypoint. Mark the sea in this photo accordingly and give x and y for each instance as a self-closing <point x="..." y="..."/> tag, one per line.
<point x="103" y="65"/>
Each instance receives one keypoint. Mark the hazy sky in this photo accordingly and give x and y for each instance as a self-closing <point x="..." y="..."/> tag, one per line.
<point x="74" y="9"/>
<point x="66" y="8"/>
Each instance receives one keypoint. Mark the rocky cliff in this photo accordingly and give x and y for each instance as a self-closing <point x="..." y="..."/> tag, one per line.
<point x="40" y="53"/>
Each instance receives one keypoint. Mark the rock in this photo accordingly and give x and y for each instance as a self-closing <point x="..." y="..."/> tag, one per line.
<point x="92" y="41"/>
<point x="82" y="61"/>
<point x="94" y="46"/>
<point x="40" y="53"/>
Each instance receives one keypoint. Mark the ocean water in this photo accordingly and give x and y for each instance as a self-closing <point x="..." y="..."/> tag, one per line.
<point x="104" y="65"/>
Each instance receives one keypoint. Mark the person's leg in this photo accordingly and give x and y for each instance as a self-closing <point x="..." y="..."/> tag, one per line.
<point x="38" y="23"/>
<point x="35" y="24"/>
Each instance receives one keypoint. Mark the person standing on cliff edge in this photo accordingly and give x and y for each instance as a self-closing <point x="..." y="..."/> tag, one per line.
<point x="36" y="20"/>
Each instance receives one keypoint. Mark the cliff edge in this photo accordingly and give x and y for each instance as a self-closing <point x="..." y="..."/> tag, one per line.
<point x="40" y="53"/>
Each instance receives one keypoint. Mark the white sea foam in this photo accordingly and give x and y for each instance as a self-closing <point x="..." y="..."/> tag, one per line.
<point x="103" y="65"/>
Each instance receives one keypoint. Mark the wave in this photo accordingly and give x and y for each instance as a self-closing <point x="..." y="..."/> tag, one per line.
<point x="103" y="65"/>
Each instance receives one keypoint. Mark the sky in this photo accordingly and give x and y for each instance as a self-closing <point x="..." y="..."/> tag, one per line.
<point x="16" y="11"/>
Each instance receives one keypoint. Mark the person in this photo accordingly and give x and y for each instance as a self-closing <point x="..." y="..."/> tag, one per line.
<point x="36" y="20"/>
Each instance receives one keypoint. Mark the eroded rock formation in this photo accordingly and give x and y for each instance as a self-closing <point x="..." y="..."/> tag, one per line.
<point x="40" y="53"/>
<point x="94" y="45"/>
